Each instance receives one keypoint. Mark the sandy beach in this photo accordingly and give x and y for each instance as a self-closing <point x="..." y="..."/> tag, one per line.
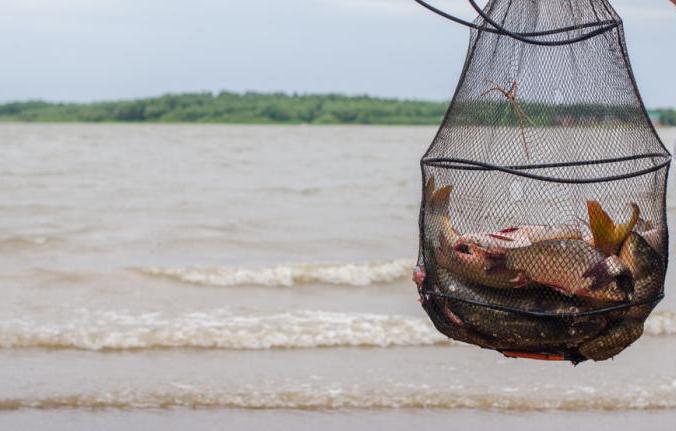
<point x="210" y="276"/>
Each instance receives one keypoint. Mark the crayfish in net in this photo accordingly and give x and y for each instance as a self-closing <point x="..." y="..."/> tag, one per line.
<point x="511" y="97"/>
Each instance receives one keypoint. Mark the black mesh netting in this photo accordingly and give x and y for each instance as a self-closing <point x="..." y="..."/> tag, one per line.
<point x="543" y="227"/>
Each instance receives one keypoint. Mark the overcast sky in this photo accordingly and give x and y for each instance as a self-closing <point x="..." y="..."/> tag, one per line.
<point x="82" y="50"/>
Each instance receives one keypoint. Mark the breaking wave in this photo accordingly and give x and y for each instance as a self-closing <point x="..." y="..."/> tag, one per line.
<point x="661" y="323"/>
<point x="289" y="275"/>
<point x="219" y="329"/>
<point x="333" y="397"/>
<point x="222" y="329"/>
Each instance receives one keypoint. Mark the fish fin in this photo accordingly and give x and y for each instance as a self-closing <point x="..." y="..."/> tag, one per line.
<point x="443" y="241"/>
<point x="609" y="236"/>
<point x="609" y="270"/>
<point x="615" y="266"/>
<point x="430" y="186"/>
<point x="496" y="260"/>
<point x="602" y="227"/>
<point x="599" y="274"/>
<point x="623" y="230"/>
<point x="500" y="237"/>
<point x="440" y="199"/>
<point x="521" y="280"/>
<point x="453" y="317"/>
<point x="510" y="230"/>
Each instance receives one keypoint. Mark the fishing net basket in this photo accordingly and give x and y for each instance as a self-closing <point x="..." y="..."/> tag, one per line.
<point x="543" y="228"/>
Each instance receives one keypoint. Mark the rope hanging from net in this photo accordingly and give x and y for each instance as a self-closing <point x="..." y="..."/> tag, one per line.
<point x="604" y="26"/>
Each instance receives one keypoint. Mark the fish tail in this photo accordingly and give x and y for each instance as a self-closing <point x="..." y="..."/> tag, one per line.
<point x="609" y="236"/>
<point x="629" y="226"/>
<point x="430" y="186"/>
<point x="601" y="226"/>
<point x="440" y="199"/>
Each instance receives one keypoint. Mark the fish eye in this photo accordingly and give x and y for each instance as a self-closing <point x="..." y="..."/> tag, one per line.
<point x="463" y="248"/>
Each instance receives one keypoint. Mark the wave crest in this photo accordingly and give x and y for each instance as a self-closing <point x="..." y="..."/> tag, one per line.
<point x="223" y="329"/>
<point x="661" y="323"/>
<point x="289" y="275"/>
<point x="660" y="396"/>
<point x="219" y="329"/>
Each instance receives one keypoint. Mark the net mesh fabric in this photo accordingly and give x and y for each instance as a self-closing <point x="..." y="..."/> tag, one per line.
<point x="536" y="138"/>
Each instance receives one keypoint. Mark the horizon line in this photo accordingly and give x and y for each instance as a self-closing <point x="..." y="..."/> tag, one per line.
<point x="280" y="93"/>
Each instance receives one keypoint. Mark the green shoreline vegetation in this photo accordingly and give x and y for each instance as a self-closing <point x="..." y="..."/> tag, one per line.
<point x="279" y="108"/>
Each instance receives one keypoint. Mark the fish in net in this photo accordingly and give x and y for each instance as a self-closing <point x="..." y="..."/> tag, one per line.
<point x="543" y="227"/>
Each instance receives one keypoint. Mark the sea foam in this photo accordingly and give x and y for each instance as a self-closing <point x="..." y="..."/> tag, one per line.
<point x="310" y="397"/>
<point x="218" y="329"/>
<point x="289" y="275"/>
<point x="224" y="329"/>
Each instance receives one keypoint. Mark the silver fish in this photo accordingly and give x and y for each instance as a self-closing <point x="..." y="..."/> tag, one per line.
<point x="572" y="267"/>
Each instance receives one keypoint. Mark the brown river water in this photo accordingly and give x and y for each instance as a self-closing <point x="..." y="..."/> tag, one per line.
<point x="211" y="277"/>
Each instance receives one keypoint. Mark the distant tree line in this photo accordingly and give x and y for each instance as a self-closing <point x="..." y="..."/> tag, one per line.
<point x="235" y="108"/>
<point x="665" y="117"/>
<point x="278" y="108"/>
